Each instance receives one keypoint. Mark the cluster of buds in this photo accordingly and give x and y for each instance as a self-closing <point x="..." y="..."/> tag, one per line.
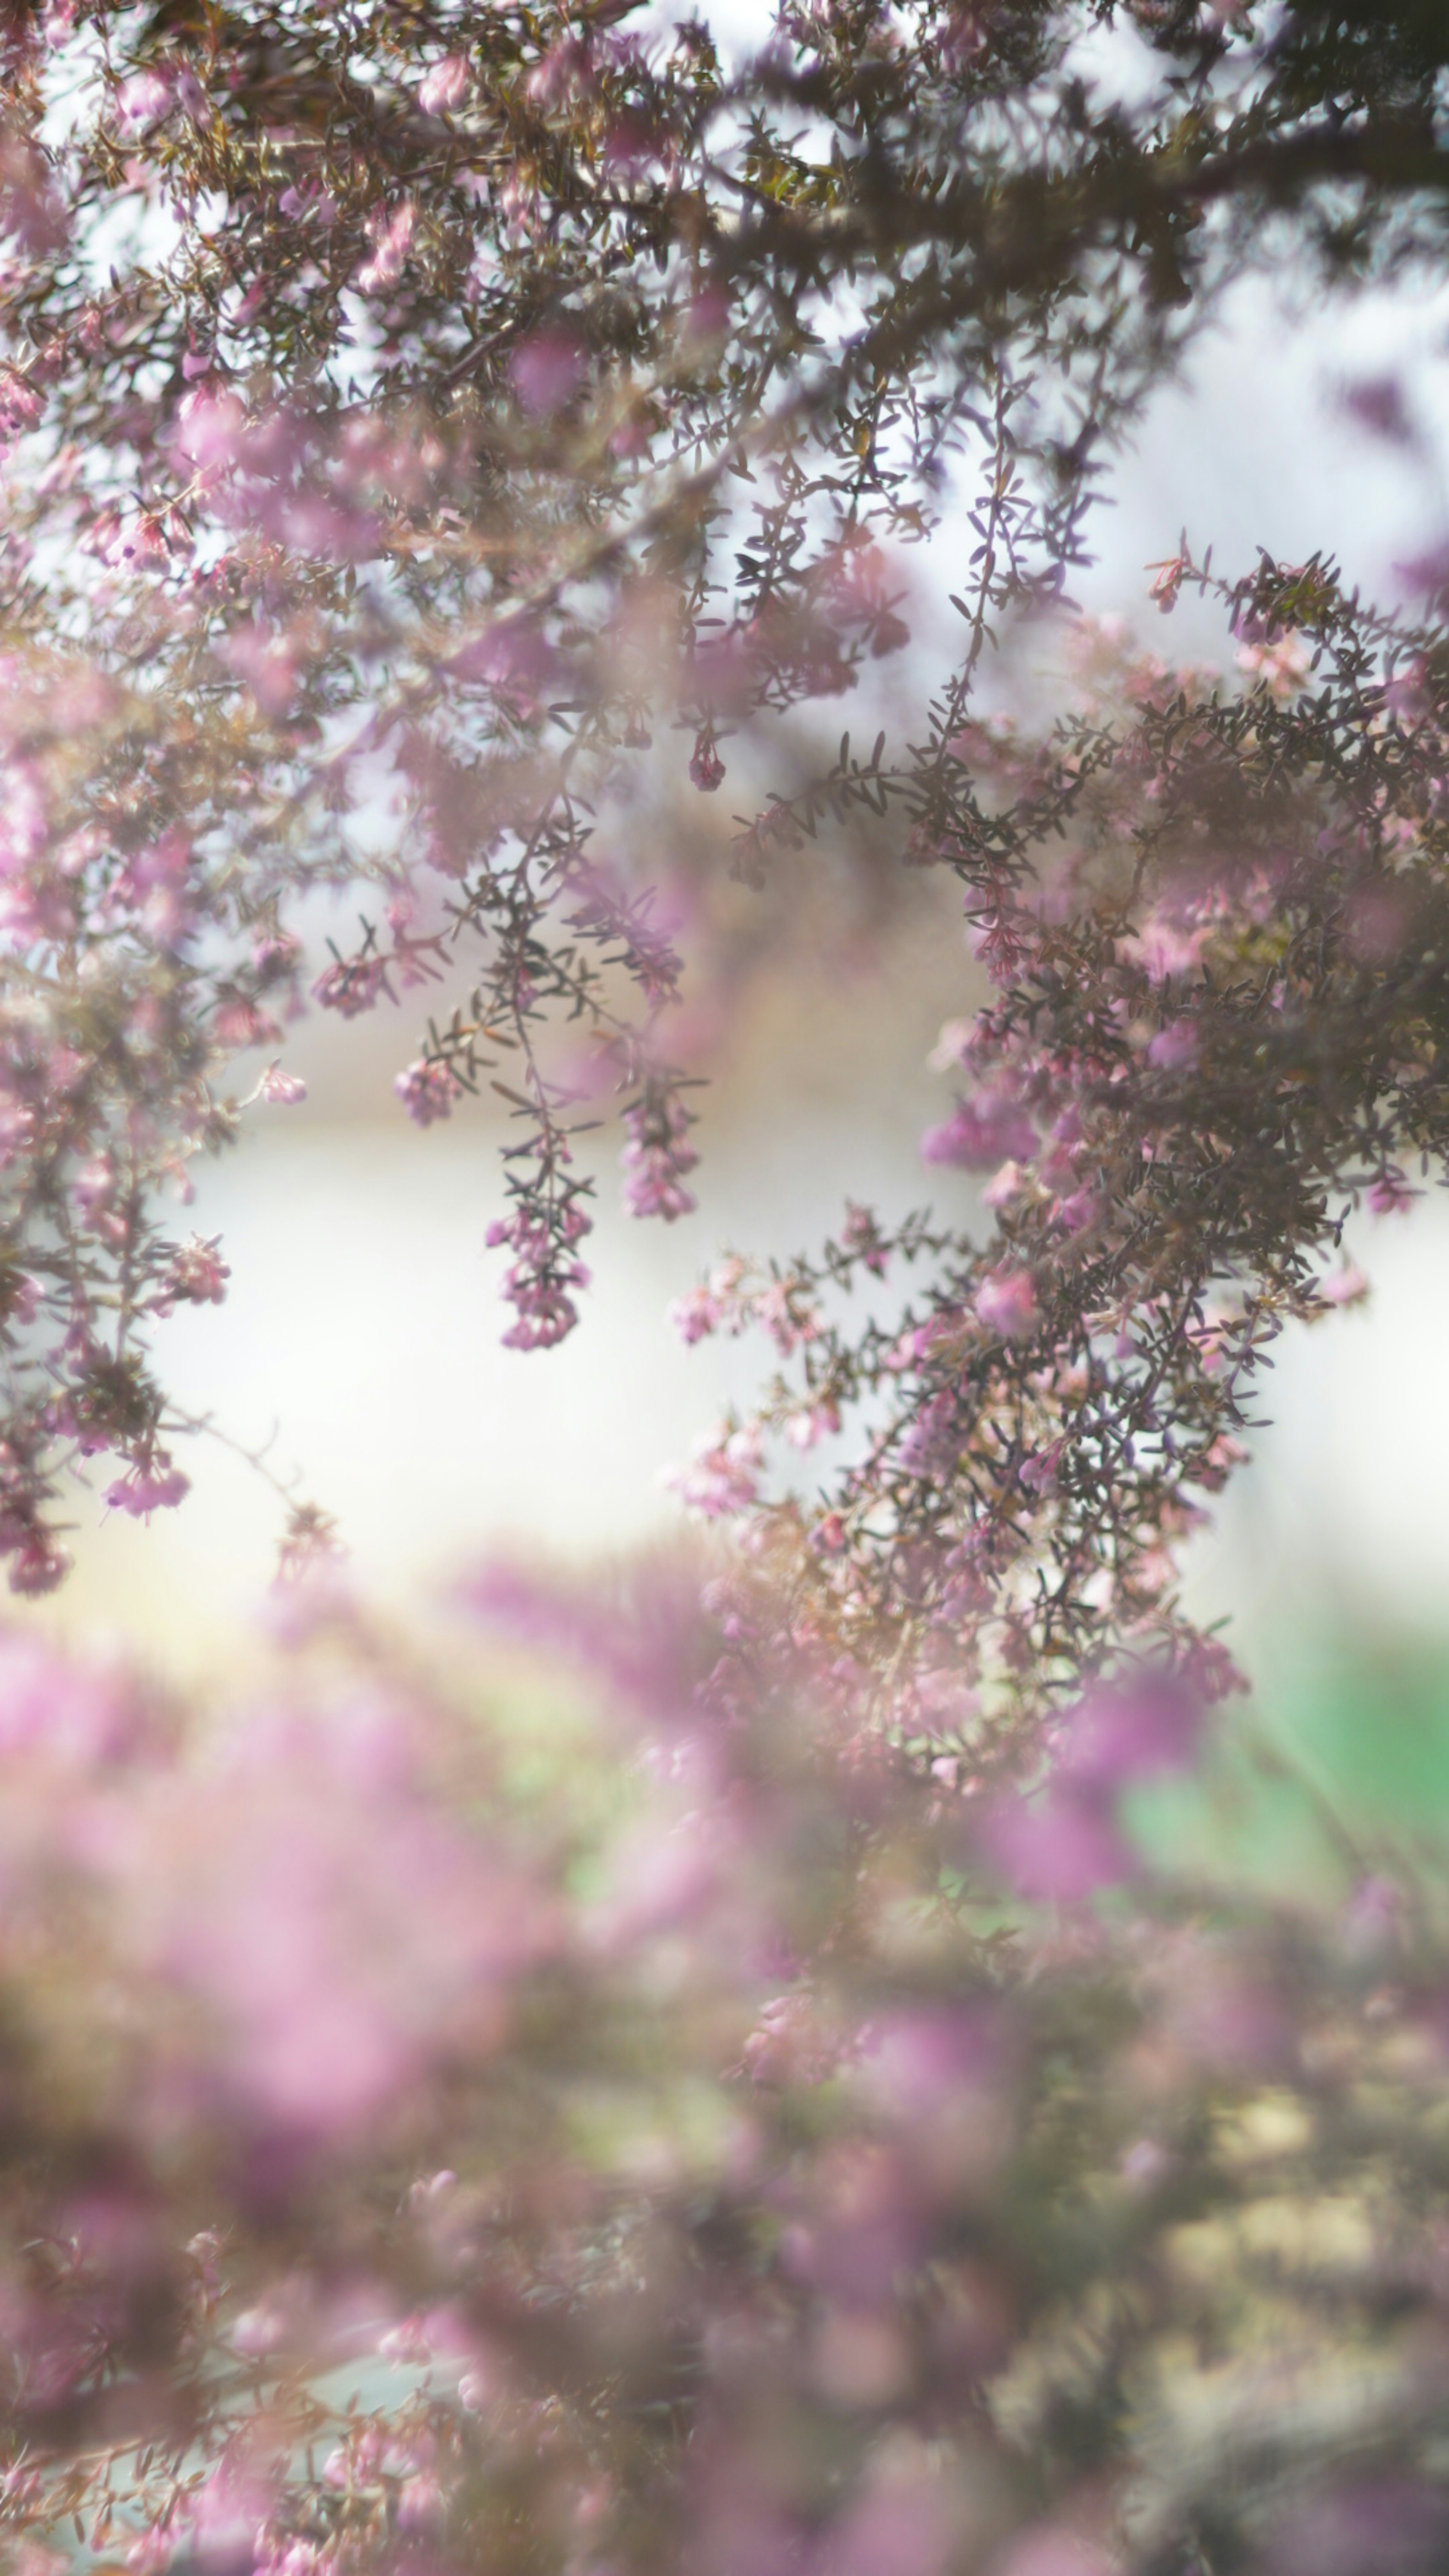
<point x="195" y="1275"/>
<point x="657" y="1154"/>
<point x="428" y="1090"/>
<point x="539" y="1282"/>
<point x="351" y="985"/>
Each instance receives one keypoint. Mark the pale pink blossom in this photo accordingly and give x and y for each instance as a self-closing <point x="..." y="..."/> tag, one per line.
<point x="696" y="1314"/>
<point x="818" y="1421"/>
<point x="240" y="1022"/>
<point x="1004" y="1186"/>
<point x="1283" y="665"/>
<point x="953" y="1046"/>
<point x="196" y="1275"/>
<point x="1054" y="1848"/>
<point x="210" y="428"/>
<point x="428" y="1091"/>
<point x="445" y="86"/>
<point x="269" y="663"/>
<point x="1006" y="1304"/>
<point x="94" y="1185"/>
<point x="1174" y="1048"/>
<point x="155" y="1488"/>
<point x="1078" y="1210"/>
<point x="983" y="1131"/>
<point x="546" y="369"/>
<point x="1165" y="946"/>
<point x="1391" y="1195"/>
<point x="143" y="98"/>
<point x="391" y="237"/>
<point x="657" y="1153"/>
<point x="280" y="1089"/>
<point x="351" y="985"/>
<point x="723" y="1475"/>
<point x="329" y="1989"/>
<point x="1053" y="2549"/>
<point x="1346" y="1286"/>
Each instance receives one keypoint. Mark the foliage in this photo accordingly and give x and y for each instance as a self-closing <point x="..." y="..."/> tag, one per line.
<point x="410" y="416"/>
<point x="795" y="2130"/>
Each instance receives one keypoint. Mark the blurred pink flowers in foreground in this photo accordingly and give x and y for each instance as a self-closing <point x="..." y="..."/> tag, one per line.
<point x="646" y="2138"/>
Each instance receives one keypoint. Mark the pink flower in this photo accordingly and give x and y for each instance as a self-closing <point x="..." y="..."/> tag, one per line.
<point x="158" y="1487"/>
<point x="565" y="71"/>
<point x="445" y="86"/>
<point x="695" y="1314"/>
<point x="1050" y="2549"/>
<point x="1078" y="1210"/>
<point x="407" y="2342"/>
<point x="421" y="2504"/>
<point x="310" y="198"/>
<point x="819" y="1421"/>
<point x="1168" y="584"/>
<point x="546" y="369"/>
<point x="1004" y="1186"/>
<point x="1129" y="1730"/>
<point x="191" y="97"/>
<point x="196" y="1275"/>
<point x="240" y="1022"/>
<point x="20" y="405"/>
<point x="657" y="1155"/>
<point x="1173" y="1048"/>
<point x="1055" y="1849"/>
<point x="1391" y="1194"/>
<point x="1345" y="1286"/>
<point x="94" y="1185"/>
<point x="267" y="2328"/>
<point x="391" y="236"/>
<point x="210" y="428"/>
<point x="538" y="1282"/>
<point x="861" y="1235"/>
<point x="19" y="1297"/>
<point x="281" y="1090"/>
<point x="1040" y="1471"/>
<point x="723" y="1475"/>
<point x="350" y="986"/>
<point x="428" y="1091"/>
<point x="1006" y="1303"/>
<point x="1165" y="947"/>
<point x="269" y="665"/>
<point x="1282" y="666"/>
<point x="143" y="98"/>
<point x="331" y="1989"/>
<point x="980" y="1133"/>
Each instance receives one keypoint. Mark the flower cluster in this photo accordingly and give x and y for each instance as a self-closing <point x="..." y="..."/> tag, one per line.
<point x="648" y="422"/>
<point x="657" y="1154"/>
<point x="543" y="1231"/>
<point x="428" y="1091"/>
<point x="1053" y="1389"/>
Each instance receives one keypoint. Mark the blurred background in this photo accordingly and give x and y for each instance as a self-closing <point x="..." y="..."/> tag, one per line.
<point x="360" y="1340"/>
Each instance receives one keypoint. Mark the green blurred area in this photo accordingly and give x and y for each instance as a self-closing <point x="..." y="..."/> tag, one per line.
<point x="1340" y="1762"/>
